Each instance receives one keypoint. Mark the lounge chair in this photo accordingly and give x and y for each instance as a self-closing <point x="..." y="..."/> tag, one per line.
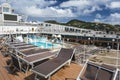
<point x="15" y="62"/>
<point x="29" y="62"/>
<point x="20" y="45"/>
<point x="0" y="47"/>
<point x="106" y="72"/>
<point x="23" y="47"/>
<point x="26" y="48"/>
<point x="26" y="63"/>
<point x="4" y="50"/>
<point x="31" y="52"/>
<point x="49" y="67"/>
<point x="91" y="71"/>
<point x="12" y="49"/>
<point x="14" y="43"/>
<point x="17" y="44"/>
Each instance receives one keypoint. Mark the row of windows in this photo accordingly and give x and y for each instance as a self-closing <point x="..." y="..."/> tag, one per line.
<point x="5" y="9"/>
<point x="45" y="24"/>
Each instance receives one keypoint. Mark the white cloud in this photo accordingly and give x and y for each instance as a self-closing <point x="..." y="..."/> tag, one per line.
<point x="40" y="8"/>
<point x="116" y="15"/>
<point x="97" y="20"/>
<point x="113" y="18"/>
<point x="1" y="1"/>
<point x="93" y="9"/>
<point x="70" y="8"/>
<point x="84" y="7"/>
<point x="98" y="16"/>
<point x="48" y="12"/>
<point x="76" y="3"/>
<point x="115" y="4"/>
<point x="41" y="3"/>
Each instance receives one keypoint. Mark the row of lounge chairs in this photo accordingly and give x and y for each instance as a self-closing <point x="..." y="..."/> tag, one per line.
<point x="27" y="54"/>
<point x="24" y="58"/>
<point x="47" y="66"/>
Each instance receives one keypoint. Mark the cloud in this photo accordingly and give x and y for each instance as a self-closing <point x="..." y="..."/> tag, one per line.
<point x="97" y="20"/>
<point x="1" y="1"/>
<point x="114" y="5"/>
<point x="24" y="3"/>
<point x="98" y="16"/>
<point x="69" y="9"/>
<point x="84" y="7"/>
<point x="41" y="8"/>
<point x="48" y="12"/>
<point x="91" y="10"/>
<point x="113" y="18"/>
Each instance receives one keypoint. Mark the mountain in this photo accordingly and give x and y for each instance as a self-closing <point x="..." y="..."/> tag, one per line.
<point x="54" y="22"/>
<point x="88" y="25"/>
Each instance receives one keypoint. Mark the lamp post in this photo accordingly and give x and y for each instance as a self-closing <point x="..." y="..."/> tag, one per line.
<point x="117" y="54"/>
<point x="84" y="58"/>
<point x="89" y="41"/>
<point x="117" y="61"/>
<point x="113" y="43"/>
<point x="94" y="39"/>
<point x="62" y="42"/>
<point x="27" y="37"/>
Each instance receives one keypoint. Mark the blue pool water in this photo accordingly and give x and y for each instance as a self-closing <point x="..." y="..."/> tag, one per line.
<point x="37" y="38"/>
<point x="45" y="44"/>
<point x="41" y="42"/>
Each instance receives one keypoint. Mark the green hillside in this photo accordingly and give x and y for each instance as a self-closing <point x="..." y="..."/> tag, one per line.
<point x="88" y="25"/>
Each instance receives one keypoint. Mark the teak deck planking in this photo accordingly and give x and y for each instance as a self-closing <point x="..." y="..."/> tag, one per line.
<point x="71" y="71"/>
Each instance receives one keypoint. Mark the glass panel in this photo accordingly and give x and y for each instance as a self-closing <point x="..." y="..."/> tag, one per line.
<point x="10" y="17"/>
<point x="5" y="9"/>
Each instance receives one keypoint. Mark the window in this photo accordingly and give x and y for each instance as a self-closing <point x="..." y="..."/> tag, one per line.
<point x="5" y="9"/>
<point x="10" y="17"/>
<point x="46" y="25"/>
<point x="41" y="24"/>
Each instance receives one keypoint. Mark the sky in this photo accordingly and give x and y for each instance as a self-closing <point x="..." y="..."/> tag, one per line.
<point x="104" y="11"/>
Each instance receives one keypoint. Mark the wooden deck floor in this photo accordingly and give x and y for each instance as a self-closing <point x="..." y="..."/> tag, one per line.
<point x="68" y="72"/>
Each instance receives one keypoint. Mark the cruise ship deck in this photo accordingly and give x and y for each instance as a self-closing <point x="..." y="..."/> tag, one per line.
<point x="70" y="72"/>
<point x="86" y="50"/>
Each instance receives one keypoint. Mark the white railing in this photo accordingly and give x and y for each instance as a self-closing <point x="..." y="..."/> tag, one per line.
<point x="78" y="34"/>
<point x="52" y="30"/>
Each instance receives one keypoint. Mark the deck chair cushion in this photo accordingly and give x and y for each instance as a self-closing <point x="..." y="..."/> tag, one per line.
<point x="105" y="73"/>
<point x="91" y="71"/>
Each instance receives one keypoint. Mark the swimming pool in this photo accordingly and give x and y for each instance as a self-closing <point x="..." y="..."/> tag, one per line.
<point x="42" y="42"/>
<point x="45" y="44"/>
